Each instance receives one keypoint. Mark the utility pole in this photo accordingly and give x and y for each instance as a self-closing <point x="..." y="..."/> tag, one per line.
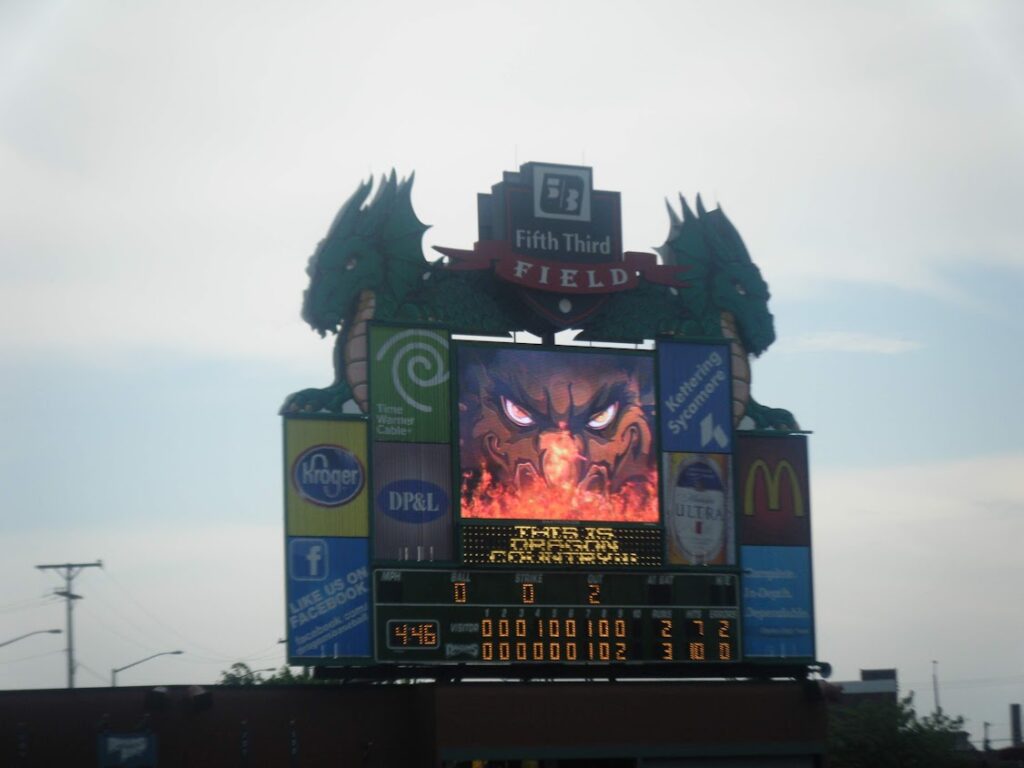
<point x="935" y="686"/>
<point x="69" y="571"/>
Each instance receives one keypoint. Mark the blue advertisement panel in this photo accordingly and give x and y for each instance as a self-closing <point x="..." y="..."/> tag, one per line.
<point x="132" y="749"/>
<point x="328" y="597"/>
<point x="778" y="618"/>
<point x="695" y="397"/>
<point x="412" y="504"/>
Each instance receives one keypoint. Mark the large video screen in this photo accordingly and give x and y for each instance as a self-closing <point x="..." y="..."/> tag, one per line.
<point x="561" y="435"/>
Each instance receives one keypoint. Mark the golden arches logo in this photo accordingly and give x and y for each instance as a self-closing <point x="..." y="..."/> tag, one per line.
<point x="772" y="482"/>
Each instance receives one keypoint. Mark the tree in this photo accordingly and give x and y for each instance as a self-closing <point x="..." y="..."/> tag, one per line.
<point x="874" y="734"/>
<point x="241" y="673"/>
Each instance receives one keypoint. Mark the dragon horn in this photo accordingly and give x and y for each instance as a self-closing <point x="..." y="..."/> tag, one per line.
<point x="673" y="217"/>
<point x="700" y="206"/>
<point x="346" y="216"/>
<point x="687" y="213"/>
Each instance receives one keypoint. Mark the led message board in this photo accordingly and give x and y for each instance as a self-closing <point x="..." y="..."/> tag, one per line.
<point x="556" y="510"/>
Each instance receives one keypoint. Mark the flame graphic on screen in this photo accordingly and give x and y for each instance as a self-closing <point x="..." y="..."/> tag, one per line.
<point x="557" y="496"/>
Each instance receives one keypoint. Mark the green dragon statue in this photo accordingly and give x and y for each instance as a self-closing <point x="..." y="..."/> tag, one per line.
<point x="371" y="266"/>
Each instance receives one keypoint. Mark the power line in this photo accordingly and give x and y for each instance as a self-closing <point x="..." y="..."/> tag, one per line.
<point x="70" y="571"/>
<point x="33" y="656"/>
<point x="212" y="654"/>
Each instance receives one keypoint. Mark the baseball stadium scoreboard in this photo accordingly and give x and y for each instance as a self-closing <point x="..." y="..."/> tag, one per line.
<point x="496" y="505"/>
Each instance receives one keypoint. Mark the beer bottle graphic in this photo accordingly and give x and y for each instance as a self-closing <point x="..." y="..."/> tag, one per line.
<point x="698" y="516"/>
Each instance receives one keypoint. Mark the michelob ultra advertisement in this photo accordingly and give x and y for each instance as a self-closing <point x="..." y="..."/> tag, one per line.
<point x="698" y="509"/>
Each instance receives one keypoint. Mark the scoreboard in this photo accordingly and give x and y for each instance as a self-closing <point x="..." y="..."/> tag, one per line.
<point x="553" y="616"/>
<point x="572" y="509"/>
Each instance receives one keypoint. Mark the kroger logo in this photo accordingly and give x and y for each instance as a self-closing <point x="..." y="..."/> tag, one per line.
<point x="327" y="475"/>
<point x="413" y="501"/>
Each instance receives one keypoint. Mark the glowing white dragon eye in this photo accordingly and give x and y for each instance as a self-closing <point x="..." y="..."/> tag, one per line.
<point x="516" y="413"/>
<point x="740" y="289"/>
<point x="602" y="419"/>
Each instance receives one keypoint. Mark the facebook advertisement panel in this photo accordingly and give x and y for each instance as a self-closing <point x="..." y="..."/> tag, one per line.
<point x="328" y="597"/>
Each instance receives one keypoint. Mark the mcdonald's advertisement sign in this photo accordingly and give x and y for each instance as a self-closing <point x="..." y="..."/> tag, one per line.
<point x="773" y="498"/>
<point x="775" y="536"/>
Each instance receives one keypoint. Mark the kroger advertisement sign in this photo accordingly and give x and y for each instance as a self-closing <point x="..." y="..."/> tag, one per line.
<point x="326" y="477"/>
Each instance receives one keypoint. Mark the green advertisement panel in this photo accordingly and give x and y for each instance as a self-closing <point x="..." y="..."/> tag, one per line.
<point x="409" y="392"/>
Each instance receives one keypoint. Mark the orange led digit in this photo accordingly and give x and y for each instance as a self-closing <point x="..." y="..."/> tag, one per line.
<point x="459" y="591"/>
<point x="529" y="594"/>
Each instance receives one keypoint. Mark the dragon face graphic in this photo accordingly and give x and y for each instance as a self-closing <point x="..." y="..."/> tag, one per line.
<point x="557" y="436"/>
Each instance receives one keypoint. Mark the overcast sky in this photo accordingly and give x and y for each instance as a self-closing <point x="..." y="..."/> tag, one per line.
<point x="167" y="168"/>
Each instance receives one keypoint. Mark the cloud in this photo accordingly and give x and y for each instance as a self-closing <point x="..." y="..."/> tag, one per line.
<point x="922" y="561"/>
<point x="847" y="341"/>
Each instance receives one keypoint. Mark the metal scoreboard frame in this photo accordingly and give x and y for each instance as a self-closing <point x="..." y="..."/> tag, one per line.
<point x="545" y="511"/>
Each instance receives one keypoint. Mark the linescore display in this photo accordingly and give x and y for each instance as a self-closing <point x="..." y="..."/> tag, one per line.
<point x="543" y="617"/>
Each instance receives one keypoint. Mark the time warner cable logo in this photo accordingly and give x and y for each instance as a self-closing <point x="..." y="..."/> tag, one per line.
<point x="327" y="475"/>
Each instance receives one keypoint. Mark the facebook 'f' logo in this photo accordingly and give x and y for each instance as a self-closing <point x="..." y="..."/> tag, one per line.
<point x="307" y="559"/>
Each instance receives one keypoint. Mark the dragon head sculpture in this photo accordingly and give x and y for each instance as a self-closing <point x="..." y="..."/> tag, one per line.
<point x="722" y="276"/>
<point x="375" y="247"/>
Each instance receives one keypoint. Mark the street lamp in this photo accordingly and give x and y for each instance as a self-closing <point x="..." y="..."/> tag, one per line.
<point x="29" y="634"/>
<point x="113" y="672"/>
